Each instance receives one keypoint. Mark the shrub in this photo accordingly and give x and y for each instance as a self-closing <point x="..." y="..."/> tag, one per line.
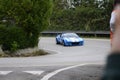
<point x="29" y="17"/>
<point x="12" y="38"/>
<point x="3" y="32"/>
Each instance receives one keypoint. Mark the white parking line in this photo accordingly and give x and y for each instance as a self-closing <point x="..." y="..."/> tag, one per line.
<point x="5" y="72"/>
<point x="34" y="72"/>
<point x="48" y="76"/>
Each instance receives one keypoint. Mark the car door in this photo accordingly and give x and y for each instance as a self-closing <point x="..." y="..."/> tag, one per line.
<point x="61" y="38"/>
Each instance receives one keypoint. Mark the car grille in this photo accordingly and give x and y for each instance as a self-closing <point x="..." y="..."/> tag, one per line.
<point x="75" y="43"/>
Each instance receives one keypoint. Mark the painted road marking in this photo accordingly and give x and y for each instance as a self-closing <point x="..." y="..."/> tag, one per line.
<point x="48" y="76"/>
<point x="34" y="72"/>
<point x="5" y="72"/>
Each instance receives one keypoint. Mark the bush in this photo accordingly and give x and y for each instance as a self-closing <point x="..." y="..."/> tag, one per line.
<point x="3" y="32"/>
<point x="29" y="17"/>
<point x="12" y="38"/>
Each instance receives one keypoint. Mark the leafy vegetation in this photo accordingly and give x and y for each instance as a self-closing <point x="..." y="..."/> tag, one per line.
<point x="21" y="21"/>
<point x="88" y="15"/>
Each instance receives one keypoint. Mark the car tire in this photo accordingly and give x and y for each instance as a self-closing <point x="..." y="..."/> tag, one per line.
<point x="64" y="43"/>
<point x="57" y="42"/>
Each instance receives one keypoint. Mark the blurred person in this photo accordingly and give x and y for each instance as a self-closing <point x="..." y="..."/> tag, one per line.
<point x="113" y="17"/>
<point x="112" y="70"/>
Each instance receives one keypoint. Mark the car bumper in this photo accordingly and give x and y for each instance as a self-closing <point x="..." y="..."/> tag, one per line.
<point x="74" y="43"/>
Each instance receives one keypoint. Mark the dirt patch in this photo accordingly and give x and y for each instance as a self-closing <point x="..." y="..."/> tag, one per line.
<point x="30" y="52"/>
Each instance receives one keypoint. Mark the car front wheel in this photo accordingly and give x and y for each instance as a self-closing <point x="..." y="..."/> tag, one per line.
<point x="64" y="43"/>
<point x="57" y="42"/>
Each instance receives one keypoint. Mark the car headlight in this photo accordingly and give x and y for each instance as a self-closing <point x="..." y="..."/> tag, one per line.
<point x="80" y="39"/>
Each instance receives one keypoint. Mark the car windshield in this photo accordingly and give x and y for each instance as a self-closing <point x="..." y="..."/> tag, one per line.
<point x="70" y="35"/>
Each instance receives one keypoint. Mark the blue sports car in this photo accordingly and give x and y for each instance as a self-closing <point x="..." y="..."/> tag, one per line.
<point x="69" y="39"/>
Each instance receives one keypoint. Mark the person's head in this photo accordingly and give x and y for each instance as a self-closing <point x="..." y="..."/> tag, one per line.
<point x="116" y="2"/>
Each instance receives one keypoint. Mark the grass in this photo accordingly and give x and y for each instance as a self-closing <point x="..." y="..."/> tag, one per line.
<point x="36" y="53"/>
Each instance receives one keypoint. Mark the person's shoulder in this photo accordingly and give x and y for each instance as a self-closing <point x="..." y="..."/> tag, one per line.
<point x="114" y="11"/>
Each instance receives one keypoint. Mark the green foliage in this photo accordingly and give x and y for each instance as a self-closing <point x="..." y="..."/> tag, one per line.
<point x="87" y="16"/>
<point x="3" y="32"/>
<point x="12" y="38"/>
<point x="14" y="46"/>
<point x="29" y="17"/>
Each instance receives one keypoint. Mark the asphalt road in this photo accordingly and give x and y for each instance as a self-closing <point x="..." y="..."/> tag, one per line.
<point x="61" y="61"/>
<point x="81" y="72"/>
<point x="94" y="51"/>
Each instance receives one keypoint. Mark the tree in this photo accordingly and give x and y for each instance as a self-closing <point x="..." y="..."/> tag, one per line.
<point x="88" y="15"/>
<point x="31" y="16"/>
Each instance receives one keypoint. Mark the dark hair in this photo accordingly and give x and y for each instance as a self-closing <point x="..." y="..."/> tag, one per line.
<point x="116" y="2"/>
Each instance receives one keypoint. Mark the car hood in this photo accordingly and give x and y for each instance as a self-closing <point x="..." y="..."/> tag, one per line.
<point x="73" y="39"/>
